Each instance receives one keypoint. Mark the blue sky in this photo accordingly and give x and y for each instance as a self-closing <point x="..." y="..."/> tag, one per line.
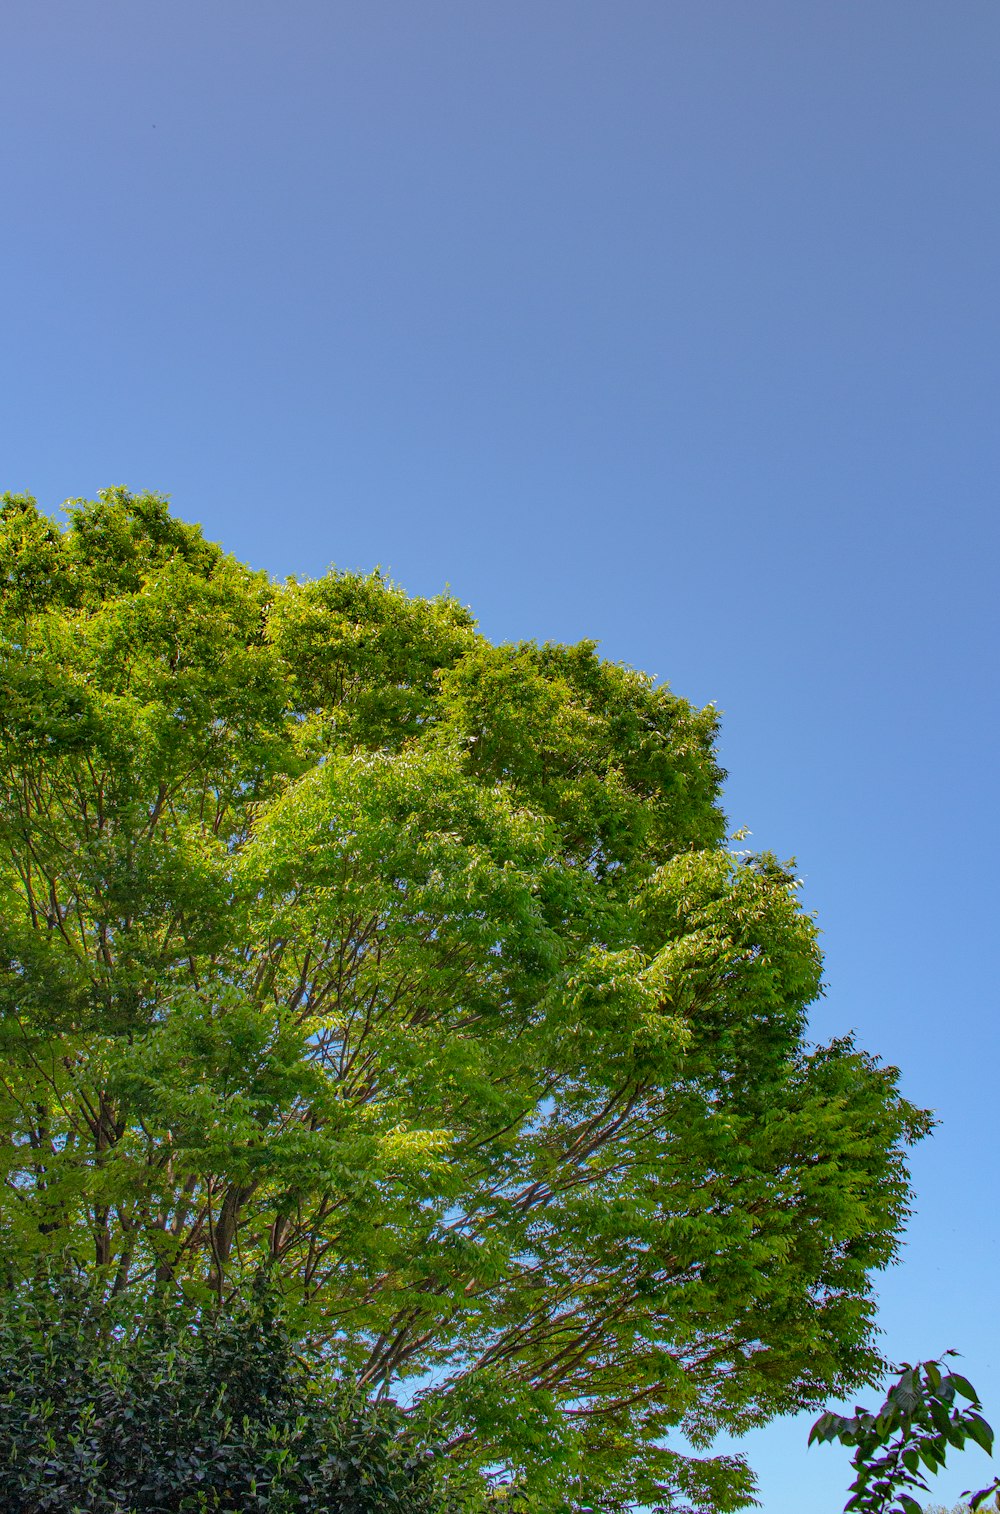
<point x="672" y="324"/>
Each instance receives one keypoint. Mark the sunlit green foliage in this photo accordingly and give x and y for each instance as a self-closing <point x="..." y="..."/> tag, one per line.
<point x="335" y="938"/>
<point x="959" y="1508"/>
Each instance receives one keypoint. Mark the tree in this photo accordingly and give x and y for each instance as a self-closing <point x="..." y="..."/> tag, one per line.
<point x="959" y="1508"/>
<point x="923" y="1417"/>
<point x="339" y="941"/>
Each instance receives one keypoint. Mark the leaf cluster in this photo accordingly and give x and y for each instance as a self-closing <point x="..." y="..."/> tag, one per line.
<point x="923" y="1416"/>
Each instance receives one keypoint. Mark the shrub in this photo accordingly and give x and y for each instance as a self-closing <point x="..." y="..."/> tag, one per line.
<point x="190" y="1410"/>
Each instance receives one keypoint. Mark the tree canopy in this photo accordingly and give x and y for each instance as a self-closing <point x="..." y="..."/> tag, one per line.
<point x="340" y="943"/>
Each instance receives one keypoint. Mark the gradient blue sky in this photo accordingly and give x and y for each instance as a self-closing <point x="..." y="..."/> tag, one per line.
<point x="671" y="324"/>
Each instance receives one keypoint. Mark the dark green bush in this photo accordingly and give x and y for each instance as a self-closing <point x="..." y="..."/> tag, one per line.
<point x="189" y="1410"/>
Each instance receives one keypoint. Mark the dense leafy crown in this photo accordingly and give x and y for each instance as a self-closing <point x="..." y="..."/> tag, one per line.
<point x="337" y="939"/>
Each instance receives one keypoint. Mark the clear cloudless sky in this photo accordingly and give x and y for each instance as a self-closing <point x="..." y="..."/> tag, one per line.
<point x="673" y="323"/>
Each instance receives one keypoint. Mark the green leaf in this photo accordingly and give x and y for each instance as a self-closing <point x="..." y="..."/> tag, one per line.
<point x="980" y="1431"/>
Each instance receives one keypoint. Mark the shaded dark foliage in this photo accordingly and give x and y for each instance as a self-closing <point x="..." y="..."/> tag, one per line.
<point x="189" y="1411"/>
